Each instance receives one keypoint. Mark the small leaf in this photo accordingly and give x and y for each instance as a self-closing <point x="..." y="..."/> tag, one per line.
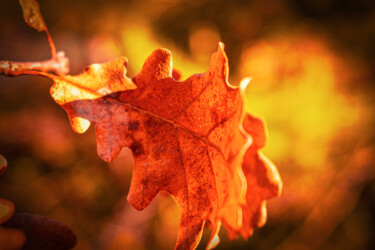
<point x="3" y="164"/>
<point x="6" y="210"/>
<point x="32" y="15"/>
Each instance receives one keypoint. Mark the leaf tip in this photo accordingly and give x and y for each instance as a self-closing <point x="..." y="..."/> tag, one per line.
<point x="108" y="150"/>
<point x="158" y="65"/>
<point x="134" y="202"/>
<point x="219" y="62"/>
<point x="79" y="124"/>
<point x="214" y="238"/>
<point x="214" y="242"/>
<point x="244" y="83"/>
<point x="220" y="46"/>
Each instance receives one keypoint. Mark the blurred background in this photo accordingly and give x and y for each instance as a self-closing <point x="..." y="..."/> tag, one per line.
<point x="312" y="64"/>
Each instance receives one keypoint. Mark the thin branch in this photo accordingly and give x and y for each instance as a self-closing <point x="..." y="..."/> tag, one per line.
<point x="58" y="65"/>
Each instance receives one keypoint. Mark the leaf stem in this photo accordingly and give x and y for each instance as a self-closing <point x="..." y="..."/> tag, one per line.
<point x="51" y="45"/>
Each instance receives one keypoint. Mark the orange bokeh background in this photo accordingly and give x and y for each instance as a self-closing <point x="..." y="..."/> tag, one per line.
<point x="311" y="64"/>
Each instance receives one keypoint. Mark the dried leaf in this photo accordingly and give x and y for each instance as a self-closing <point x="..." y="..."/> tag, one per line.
<point x="6" y="210"/>
<point x="42" y="232"/>
<point x="3" y="164"/>
<point x="32" y="15"/>
<point x="186" y="137"/>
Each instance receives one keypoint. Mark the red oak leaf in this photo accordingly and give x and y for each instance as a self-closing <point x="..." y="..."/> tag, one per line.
<point x="186" y="137"/>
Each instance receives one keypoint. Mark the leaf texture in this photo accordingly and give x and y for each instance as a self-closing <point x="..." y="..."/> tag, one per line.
<point x="186" y="137"/>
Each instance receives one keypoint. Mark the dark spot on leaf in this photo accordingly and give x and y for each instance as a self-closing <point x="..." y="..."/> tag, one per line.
<point x="144" y="182"/>
<point x="133" y="125"/>
<point x="137" y="148"/>
<point x="153" y="127"/>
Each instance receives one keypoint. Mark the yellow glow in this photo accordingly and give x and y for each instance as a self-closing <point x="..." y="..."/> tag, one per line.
<point x="203" y="40"/>
<point x="139" y="44"/>
<point x="295" y="89"/>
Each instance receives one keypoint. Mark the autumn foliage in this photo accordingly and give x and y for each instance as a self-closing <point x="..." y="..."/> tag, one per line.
<point x="191" y="138"/>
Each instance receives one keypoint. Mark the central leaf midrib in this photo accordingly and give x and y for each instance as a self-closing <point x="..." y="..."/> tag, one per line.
<point x="69" y="81"/>
<point x="53" y="77"/>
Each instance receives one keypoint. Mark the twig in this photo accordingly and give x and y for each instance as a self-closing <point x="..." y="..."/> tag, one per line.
<point x="58" y="64"/>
